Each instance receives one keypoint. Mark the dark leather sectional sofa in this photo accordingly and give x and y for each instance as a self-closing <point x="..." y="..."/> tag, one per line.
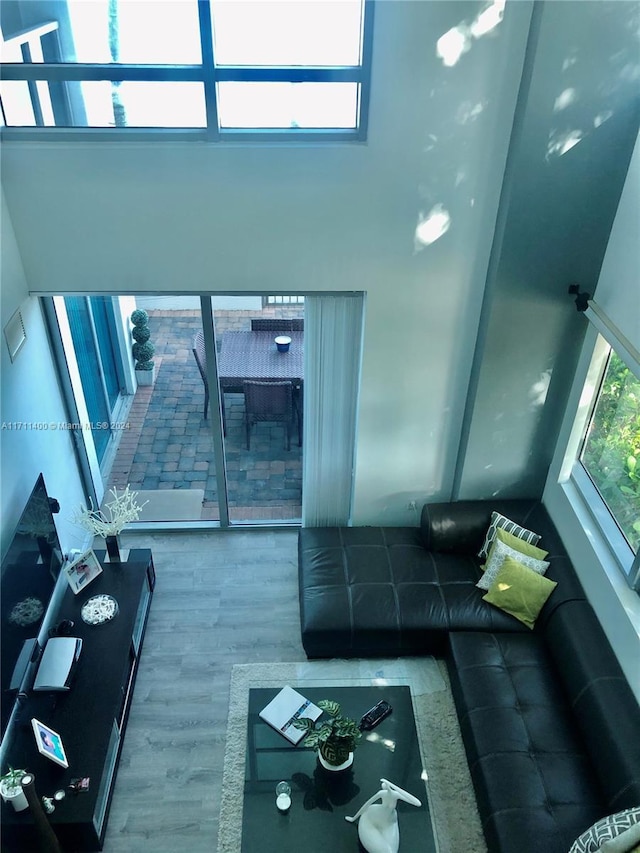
<point x="550" y="725"/>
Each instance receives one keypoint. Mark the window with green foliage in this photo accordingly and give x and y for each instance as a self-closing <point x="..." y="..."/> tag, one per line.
<point x="611" y="450"/>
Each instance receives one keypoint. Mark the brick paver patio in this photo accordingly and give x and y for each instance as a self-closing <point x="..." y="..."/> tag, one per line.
<point x="168" y="445"/>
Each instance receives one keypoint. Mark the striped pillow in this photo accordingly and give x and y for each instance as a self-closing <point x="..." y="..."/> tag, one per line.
<point x="498" y="520"/>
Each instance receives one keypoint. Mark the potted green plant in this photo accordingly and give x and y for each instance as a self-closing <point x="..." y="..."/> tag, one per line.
<point x="11" y="789"/>
<point x="142" y="349"/>
<point x="335" y="738"/>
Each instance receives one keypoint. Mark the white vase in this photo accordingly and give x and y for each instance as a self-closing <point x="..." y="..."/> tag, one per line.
<point x="15" y="796"/>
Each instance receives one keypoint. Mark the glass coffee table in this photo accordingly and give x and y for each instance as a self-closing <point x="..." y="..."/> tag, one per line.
<point x="320" y="799"/>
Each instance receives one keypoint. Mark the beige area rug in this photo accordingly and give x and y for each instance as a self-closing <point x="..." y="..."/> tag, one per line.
<point x="452" y="803"/>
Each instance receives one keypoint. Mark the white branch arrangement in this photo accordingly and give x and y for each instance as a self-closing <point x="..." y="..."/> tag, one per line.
<point x="110" y="520"/>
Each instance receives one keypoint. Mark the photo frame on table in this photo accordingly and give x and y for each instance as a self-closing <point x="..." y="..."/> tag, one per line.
<point x="49" y="743"/>
<point x="82" y="571"/>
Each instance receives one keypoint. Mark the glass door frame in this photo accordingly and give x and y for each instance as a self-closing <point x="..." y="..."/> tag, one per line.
<point x="92" y="476"/>
<point x="215" y="409"/>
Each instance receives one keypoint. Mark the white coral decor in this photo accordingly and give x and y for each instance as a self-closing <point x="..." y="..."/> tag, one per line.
<point x="110" y="520"/>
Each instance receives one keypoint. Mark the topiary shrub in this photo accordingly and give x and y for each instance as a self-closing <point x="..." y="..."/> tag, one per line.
<point x="142" y="349"/>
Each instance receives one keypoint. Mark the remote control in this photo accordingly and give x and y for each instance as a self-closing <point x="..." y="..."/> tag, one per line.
<point x="375" y="716"/>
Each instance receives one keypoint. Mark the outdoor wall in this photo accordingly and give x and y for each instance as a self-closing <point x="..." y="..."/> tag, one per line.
<point x="185" y="218"/>
<point x="569" y="157"/>
<point x="192" y="303"/>
<point x="29" y="396"/>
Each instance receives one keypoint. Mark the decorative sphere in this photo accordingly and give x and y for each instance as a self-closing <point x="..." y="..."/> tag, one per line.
<point x="139" y="317"/>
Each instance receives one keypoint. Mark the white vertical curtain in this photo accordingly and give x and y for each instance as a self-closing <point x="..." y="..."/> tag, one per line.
<point x="333" y="345"/>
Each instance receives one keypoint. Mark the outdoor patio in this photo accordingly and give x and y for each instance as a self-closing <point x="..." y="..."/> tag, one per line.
<point x="168" y="447"/>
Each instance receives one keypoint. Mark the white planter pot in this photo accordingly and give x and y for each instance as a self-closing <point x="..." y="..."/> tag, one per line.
<point x="15" y="796"/>
<point x="335" y="768"/>
<point x="146" y="377"/>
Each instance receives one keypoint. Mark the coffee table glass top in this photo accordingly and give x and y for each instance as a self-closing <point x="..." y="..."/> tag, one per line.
<point x="320" y="799"/>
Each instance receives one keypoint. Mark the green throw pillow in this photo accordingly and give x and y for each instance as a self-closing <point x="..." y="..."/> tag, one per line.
<point x="520" y="544"/>
<point x="520" y="591"/>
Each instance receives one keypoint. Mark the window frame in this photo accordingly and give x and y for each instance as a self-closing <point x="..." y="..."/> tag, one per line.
<point x="206" y="73"/>
<point x="573" y="477"/>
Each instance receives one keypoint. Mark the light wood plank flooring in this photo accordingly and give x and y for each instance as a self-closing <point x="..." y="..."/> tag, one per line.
<point x="221" y="598"/>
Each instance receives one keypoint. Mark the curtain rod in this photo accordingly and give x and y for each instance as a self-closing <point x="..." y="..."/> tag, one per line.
<point x="608" y="329"/>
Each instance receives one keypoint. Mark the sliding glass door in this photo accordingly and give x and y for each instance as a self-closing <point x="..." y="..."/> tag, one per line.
<point x="260" y="360"/>
<point x="248" y="396"/>
<point x="92" y="333"/>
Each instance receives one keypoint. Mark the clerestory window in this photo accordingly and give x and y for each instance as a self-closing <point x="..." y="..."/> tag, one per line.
<point x="204" y="69"/>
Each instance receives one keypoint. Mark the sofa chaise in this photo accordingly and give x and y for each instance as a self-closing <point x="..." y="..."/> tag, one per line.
<point x="549" y="722"/>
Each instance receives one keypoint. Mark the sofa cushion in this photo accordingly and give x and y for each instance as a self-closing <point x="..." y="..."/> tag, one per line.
<point x="602" y="703"/>
<point x="377" y="591"/>
<point x="460" y="527"/>
<point x="535" y="785"/>
<point x="430" y="575"/>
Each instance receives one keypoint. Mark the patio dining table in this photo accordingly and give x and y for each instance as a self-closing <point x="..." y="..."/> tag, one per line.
<point x="254" y="356"/>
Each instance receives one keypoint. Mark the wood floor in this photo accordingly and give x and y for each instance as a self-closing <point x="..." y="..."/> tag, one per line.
<point x="221" y="598"/>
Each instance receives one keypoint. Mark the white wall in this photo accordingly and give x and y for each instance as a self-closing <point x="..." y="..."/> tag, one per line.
<point x="618" y="289"/>
<point x="162" y="217"/>
<point x="192" y="303"/>
<point x="617" y="606"/>
<point x="568" y="160"/>
<point x="136" y="218"/>
<point x="29" y="396"/>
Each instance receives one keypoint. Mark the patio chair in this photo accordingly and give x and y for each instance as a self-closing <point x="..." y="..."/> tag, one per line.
<point x="269" y="324"/>
<point x="268" y="401"/>
<point x="200" y="356"/>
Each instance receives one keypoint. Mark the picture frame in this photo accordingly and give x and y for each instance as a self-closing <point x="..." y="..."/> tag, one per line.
<point x="82" y="571"/>
<point x="49" y="743"/>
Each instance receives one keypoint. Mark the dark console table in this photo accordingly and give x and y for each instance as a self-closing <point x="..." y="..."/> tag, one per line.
<point x="91" y="717"/>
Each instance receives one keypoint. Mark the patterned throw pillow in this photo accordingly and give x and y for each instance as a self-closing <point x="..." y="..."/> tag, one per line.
<point x="607" y="829"/>
<point x="500" y="550"/>
<point x="498" y="520"/>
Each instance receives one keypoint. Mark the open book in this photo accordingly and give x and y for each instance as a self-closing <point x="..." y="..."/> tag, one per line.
<point x="286" y="707"/>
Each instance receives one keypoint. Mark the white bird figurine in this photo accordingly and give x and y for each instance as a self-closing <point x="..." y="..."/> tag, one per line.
<point x="378" y="828"/>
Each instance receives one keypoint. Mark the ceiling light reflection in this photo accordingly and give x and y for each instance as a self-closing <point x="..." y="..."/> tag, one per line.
<point x="457" y="41"/>
<point x="452" y="45"/>
<point x="538" y="391"/>
<point x="560" y="143"/>
<point x="372" y="737"/>
<point x="564" y="100"/>
<point x="433" y="226"/>
<point x="488" y="20"/>
<point x="602" y="117"/>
